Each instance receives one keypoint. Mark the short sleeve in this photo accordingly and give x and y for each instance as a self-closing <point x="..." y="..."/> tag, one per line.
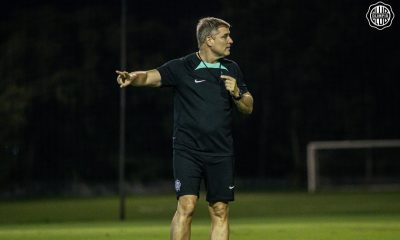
<point x="239" y="79"/>
<point x="168" y="73"/>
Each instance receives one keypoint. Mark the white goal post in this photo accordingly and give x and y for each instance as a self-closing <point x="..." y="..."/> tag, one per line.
<point x="314" y="147"/>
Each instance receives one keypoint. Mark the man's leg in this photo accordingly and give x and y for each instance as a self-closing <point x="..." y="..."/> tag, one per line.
<point x="219" y="213"/>
<point x="182" y="221"/>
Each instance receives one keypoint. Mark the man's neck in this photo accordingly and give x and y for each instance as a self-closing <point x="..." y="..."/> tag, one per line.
<point x="207" y="56"/>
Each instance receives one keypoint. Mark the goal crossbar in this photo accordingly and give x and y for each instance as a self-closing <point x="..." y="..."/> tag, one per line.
<point x="313" y="147"/>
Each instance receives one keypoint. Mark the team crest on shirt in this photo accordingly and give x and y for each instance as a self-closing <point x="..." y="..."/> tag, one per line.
<point x="178" y="185"/>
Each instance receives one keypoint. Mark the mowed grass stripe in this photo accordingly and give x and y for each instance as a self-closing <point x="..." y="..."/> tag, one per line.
<point x="152" y="208"/>
<point x="298" y="228"/>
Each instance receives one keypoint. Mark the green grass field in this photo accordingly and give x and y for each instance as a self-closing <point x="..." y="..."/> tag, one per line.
<point x="275" y="216"/>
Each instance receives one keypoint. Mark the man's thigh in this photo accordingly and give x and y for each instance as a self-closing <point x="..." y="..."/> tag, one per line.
<point x="188" y="172"/>
<point x="219" y="179"/>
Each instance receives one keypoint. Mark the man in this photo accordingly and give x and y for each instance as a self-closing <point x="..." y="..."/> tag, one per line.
<point x="207" y="86"/>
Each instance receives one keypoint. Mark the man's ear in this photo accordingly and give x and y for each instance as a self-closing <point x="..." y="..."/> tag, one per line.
<point x="209" y="41"/>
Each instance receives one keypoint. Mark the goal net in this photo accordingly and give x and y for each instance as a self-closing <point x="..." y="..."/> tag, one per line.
<point x="353" y="163"/>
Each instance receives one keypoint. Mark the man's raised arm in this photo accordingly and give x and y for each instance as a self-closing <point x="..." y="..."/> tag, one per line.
<point x="150" y="78"/>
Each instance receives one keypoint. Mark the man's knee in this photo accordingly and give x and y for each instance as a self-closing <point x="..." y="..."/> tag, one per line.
<point x="219" y="210"/>
<point x="187" y="205"/>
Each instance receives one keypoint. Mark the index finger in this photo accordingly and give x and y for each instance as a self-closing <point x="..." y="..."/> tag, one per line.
<point x="123" y="74"/>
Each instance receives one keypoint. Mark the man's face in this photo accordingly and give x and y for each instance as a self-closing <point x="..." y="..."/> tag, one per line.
<point x="221" y="42"/>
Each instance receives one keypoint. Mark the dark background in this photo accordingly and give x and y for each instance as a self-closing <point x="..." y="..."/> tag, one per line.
<point x="316" y="69"/>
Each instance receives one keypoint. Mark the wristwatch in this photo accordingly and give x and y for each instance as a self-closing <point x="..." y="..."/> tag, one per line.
<point x="238" y="97"/>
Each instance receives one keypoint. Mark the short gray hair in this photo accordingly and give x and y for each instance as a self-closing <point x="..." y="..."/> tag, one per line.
<point x="207" y="27"/>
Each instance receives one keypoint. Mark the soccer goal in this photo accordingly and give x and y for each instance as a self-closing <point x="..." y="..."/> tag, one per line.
<point x="372" y="152"/>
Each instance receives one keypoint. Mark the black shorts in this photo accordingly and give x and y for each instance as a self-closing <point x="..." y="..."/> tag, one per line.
<point x="217" y="172"/>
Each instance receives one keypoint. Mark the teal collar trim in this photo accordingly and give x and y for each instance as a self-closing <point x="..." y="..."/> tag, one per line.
<point x="211" y="65"/>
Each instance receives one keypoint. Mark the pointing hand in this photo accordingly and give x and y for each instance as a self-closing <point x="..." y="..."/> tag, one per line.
<point x="124" y="79"/>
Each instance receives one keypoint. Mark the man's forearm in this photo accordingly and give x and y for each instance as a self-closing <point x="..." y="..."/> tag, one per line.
<point x="151" y="78"/>
<point x="139" y="78"/>
<point x="245" y="104"/>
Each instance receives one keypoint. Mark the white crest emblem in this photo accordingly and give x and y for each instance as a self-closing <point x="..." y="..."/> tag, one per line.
<point x="178" y="185"/>
<point x="380" y="15"/>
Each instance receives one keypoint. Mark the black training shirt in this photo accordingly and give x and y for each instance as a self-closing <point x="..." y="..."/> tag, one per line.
<point x="202" y="105"/>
